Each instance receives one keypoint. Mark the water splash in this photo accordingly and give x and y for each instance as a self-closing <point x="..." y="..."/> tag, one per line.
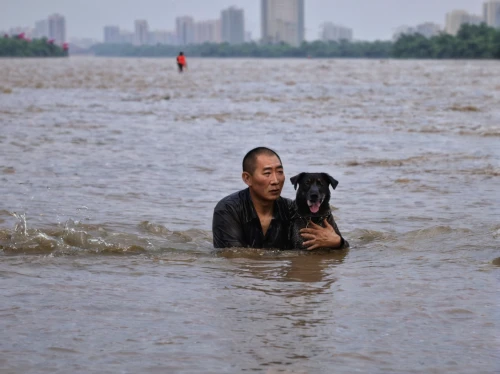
<point x="21" y="227"/>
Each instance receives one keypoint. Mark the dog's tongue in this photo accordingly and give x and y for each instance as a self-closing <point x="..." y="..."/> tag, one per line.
<point x="314" y="207"/>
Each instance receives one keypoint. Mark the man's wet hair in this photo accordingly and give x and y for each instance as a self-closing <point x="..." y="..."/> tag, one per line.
<point x="250" y="159"/>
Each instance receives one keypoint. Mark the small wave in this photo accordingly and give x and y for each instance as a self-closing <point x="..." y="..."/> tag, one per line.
<point x="155" y="97"/>
<point x="421" y="239"/>
<point x="481" y="131"/>
<point x="489" y="170"/>
<point x="428" y="130"/>
<point x="415" y="160"/>
<point x="68" y="241"/>
<point x="490" y="133"/>
<point x="34" y="109"/>
<point x="496" y="232"/>
<point x="365" y="236"/>
<point x="376" y="163"/>
<point x="458" y="311"/>
<point x="266" y="254"/>
<point x="428" y="232"/>
<point x="392" y="163"/>
<point x="464" y="108"/>
<point x="74" y="238"/>
<point x="154" y="228"/>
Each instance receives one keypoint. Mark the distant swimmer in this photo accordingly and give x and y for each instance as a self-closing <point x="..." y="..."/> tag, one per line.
<point x="181" y="62"/>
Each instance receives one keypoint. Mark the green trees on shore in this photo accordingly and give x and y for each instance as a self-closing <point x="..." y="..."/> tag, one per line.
<point x="472" y="42"/>
<point x="20" y="47"/>
<point x="378" y="49"/>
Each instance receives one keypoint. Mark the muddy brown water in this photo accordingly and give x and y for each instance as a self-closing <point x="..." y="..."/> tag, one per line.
<point x="109" y="172"/>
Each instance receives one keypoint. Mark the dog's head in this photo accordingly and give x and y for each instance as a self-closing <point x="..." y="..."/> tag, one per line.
<point x="313" y="194"/>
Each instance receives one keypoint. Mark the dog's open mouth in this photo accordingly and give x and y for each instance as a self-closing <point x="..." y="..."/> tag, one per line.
<point x="314" y="205"/>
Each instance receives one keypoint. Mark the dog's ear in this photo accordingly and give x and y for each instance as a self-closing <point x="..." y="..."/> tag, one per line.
<point x="330" y="179"/>
<point x="296" y="180"/>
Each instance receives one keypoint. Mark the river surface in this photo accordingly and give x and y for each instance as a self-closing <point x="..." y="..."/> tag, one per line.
<point x="110" y="170"/>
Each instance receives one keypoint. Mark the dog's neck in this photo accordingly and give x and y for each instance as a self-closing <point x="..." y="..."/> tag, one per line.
<point x="312" y="217"/>
<point x="303" y="212"/>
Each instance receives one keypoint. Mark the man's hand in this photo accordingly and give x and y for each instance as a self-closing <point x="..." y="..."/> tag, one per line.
<point x="320" y="237"/>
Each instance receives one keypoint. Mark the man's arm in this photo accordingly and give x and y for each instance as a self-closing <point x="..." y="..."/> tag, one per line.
<point x="323" y="237"/>
<point x="226" y="228"/>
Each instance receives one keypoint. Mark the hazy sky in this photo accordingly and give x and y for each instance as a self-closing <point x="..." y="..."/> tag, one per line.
<point x="370" y="19"/>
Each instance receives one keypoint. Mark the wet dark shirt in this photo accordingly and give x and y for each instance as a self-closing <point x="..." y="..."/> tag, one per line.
<point x="236" y="223"/>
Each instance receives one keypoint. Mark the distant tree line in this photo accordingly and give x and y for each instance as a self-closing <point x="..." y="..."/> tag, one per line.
<point x="19" y="46"/>
<point x="472" y="42"/>
<point x="377" y="49"/>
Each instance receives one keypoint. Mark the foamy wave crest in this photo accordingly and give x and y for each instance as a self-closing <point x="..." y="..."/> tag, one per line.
<point x="79" y="238"/>
<point x="364" y="236"/>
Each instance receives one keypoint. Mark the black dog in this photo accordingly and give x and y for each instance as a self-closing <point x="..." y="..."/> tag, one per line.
<point x="312" y="204"/>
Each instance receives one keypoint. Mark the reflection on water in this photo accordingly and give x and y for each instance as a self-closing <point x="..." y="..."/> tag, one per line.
<point x="285" y="266"/>
<point x="110" y="169"/>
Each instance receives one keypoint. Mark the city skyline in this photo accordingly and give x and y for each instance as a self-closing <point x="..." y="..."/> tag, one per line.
<point x="378" y="20"/>
<point x="282" y="21"/>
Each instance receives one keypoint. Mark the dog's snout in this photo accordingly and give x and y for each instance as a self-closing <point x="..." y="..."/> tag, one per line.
<point x="313" y="194"/>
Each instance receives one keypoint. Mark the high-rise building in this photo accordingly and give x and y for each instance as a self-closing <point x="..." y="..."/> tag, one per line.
<point x="282" y="21"/>
<point x="41" y="29"/>
<point x="427" y="29"/>
<point x="207" y="32"/>
<point x="330" y="31"/>
<point x="403" y="30"/>
<point x="141" y="35"/>
<point x="111" y="34"/>
<point x="158" y="37"/>
<point x="57" y="28"/>
<point x="491" y="13"/>
<point x="185" y="30"/>
<point x="162" y="37"/>
<point x="233" y="25"/>
<point x="456" y="18"/>
<point x="82" y="43"/>
<point x="127" y="37"/>
<point x="172" y="38"/>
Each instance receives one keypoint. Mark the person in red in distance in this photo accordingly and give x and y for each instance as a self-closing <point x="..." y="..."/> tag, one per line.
<point x="181" y="62"/>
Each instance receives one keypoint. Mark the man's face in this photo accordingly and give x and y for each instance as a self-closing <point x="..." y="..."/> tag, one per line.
<point x="268" y="178"/>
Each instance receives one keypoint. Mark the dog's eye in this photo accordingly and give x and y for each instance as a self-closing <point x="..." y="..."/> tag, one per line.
<point x="319" y="182"/>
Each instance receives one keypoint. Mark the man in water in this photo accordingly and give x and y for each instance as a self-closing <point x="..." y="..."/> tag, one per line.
<point x="258" y="217"/>
<point x="181" y="61"/>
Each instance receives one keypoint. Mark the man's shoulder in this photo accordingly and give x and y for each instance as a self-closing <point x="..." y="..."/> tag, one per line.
<point x="286" y="207"/>
<point x="231" y="200"/>
<point x="286" y="200"/>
